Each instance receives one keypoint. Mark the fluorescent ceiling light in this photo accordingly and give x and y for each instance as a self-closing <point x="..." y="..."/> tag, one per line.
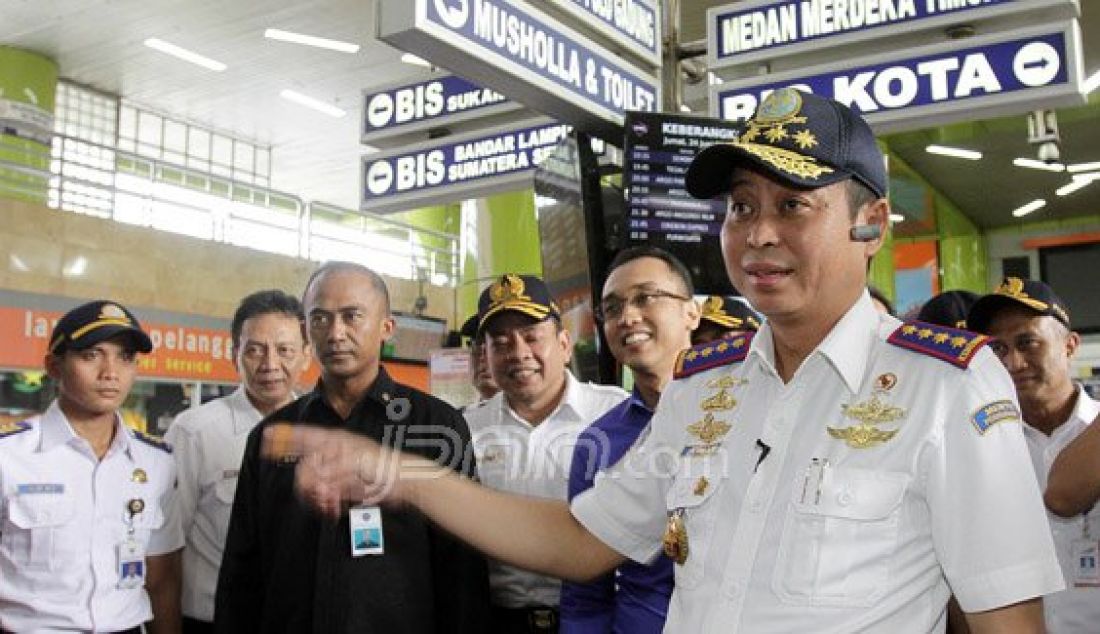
<point x="1092" y="83"/>
<point x="367" y="149"/>
<point x="310" y="102"/>
<point x="955" y="152"/>
<point x="1036" y="164"/>
<point x="1072" y="186"/>
<point x="76" y="267"/>
<point x="184" y="54"/>
<point x="409" y="58"/>
<point x="1083" y="167"/>
<point x="1034" y="205"/>
<point x="897" y="218"/>
<point x="685" y="108"/>
<point x="310" y="40"/>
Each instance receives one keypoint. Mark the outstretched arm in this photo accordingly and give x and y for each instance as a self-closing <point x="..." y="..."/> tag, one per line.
<point x="339" y="468"/>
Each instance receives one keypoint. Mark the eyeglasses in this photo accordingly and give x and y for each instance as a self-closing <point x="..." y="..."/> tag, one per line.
<point x="612" y="307"/>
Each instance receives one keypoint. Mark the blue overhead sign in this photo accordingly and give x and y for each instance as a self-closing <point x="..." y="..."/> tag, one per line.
<point x="921" y="88"/>
<point x="765" y="29"/>
<point x="411" y="107"/>
<point x="450" y="169"/>
<point x="633" y="24"/>
<point x="520" y="52"/>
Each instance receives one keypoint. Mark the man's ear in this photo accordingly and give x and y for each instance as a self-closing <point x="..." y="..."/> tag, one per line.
<point x="877" y="214"/>
<point x="52" y="363"/>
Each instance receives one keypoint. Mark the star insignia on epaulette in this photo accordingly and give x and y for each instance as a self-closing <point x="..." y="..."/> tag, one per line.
<point x="952" y="345"/>
<point x="13" y="428"/>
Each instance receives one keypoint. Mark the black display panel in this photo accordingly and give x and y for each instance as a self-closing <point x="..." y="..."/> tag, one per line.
<point x="659" y="211"/>
<point x="1072" y="272"/>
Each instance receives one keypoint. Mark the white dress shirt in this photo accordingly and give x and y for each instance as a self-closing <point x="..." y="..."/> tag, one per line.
<point x="534" y="460"/>
<point x="1074" y="610"/>
<point x="870" y="537"/>
<point x="209" y="443"/>
<point x="65" y="515"/>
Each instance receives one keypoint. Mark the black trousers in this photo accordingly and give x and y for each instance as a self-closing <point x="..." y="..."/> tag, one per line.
<point x="535" y="620"/>
<point x="195" y="626"/>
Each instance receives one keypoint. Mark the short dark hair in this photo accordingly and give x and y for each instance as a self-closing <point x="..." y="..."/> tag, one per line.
<point x="674" y="264"/>
<point x="858" y="196"/>
<point x="338" y="266"/>
<point x="265" y="303"/>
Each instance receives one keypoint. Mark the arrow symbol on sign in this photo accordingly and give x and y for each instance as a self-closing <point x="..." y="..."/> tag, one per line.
<point x="1036" y="64"/>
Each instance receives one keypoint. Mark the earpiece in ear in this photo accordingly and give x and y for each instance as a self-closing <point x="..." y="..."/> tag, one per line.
<point x="865" y="233"/>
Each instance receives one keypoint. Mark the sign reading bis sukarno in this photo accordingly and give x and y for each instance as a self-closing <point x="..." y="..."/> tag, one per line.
<point x="518" y="51"/>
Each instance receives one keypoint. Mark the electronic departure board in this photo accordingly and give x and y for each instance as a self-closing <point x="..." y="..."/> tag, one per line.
<point x="658" y="149"/>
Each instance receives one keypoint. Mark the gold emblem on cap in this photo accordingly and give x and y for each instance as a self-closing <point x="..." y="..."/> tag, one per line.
<point x="709" y="429"/>
<point x="676" y="539"/>
<point x="139" y="475"/>
<point x="135" y="506"/>
<point x="112" y="311"/>
<point x="776" y="113"/>
<point x="509" y="288"/>
<point x="1014" y="287"/>
<point x="713" y="306"/>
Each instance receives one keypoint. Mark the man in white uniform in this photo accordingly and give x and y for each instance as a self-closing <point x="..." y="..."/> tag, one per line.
<point x="524" y="435"/>
<point x="270" y="351"/>
<point x="89" y="535"/>
<point x="1036" y="343"/>
<point x="838" y="472"/>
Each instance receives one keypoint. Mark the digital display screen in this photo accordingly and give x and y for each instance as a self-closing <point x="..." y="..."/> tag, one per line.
<point x="659" y="211"/>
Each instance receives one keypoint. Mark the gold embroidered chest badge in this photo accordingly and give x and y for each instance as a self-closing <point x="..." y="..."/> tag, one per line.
<point x="869" y="415"/>
<point x="709" y="429"/>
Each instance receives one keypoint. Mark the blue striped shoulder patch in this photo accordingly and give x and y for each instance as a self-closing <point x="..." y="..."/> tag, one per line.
<point x="716" y="353"/>
<point x="952" y="345"/>
<point x="153" y="441"/>
<point x="11" y="429"/>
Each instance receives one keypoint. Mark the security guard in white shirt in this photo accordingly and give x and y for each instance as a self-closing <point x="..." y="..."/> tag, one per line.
<point x="89" y="534"/>
<point x="525" y="434"/>
<point x="270" y="351"/>
<point x="1036" y="343"/>
<point x="839" y="472"/>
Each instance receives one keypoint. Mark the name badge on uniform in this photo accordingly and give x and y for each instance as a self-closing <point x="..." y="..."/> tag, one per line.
<point x="131" y="564"/>
<point x="1086" y="569"/>
<point x="365" y="523"/>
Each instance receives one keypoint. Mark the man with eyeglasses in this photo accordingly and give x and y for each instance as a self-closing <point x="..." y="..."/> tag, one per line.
<point x="648" y="315"/>
<point x="839" y="471"/>
<point x="269" y="348"/>
<point x="524" y="436"/>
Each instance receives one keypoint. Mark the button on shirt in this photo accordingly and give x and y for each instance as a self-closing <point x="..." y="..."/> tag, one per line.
<point x="822" y="536"/>
<point x="64" y="516"/>
<point x="208" y="444"/>
<point x="632" y="599"/>
<point x="1075" y="609"/>
<point x="532" y="460"/>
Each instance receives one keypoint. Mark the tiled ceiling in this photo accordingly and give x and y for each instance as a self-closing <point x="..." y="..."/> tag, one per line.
<point x="99" y="43"/>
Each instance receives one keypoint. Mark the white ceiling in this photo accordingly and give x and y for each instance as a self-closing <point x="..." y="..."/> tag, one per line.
<point x="99" y="43"/>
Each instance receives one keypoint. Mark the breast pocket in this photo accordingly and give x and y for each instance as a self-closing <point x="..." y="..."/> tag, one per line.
<point x="694" y="495"/>
<point x="838" y="546"/>
<point x="32" y="535"/>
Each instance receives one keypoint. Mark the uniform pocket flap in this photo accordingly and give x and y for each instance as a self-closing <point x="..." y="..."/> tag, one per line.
<point x="35" y="511"/>
<point x="855" y="494"/>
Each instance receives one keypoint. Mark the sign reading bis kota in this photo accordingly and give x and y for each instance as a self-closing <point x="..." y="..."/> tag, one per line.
<point x="179" y="352"/>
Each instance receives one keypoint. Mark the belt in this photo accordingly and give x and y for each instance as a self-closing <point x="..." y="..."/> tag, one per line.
<point x="534" y="620"/>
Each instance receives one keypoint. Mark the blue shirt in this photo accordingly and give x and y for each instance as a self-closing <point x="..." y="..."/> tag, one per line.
<point x="640" y="604"/>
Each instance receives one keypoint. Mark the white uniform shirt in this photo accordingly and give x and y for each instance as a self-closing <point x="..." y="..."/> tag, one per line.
<point x="64" y="516"/>
<point x="209" y="443"/>
<point x="1075" y="609"/>
<point x="865" y="542"/>
<point x="514" y="456"/>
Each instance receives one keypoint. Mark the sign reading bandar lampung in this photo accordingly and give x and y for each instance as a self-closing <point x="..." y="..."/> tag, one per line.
<point x="417" y="106"/>
<point x="766" y="29"/>
<point x="633" y="24"/>
<point x="978" y="78"/>
<point x="522" y="53"/>
<point x="453" y="168"/>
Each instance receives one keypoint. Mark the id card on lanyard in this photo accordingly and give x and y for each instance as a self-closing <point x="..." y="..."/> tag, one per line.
<point x="1086" y="557"/>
